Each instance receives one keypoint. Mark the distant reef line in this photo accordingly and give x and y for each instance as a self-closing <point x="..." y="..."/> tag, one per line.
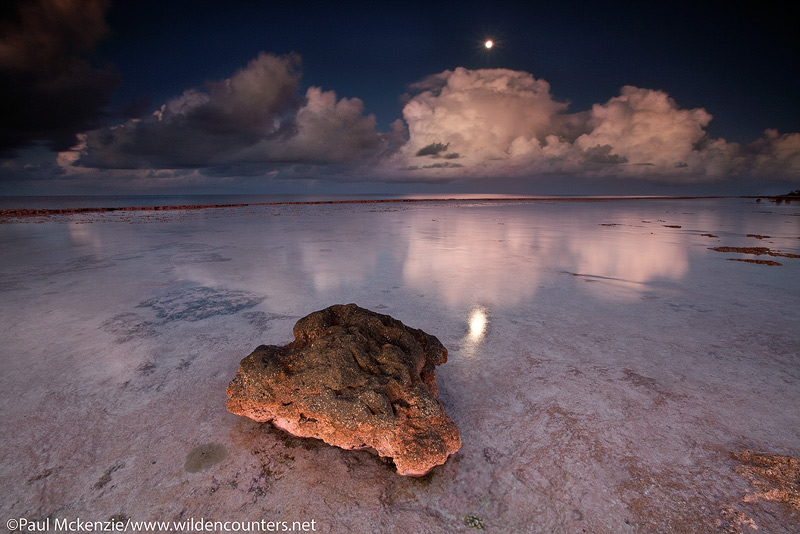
<point x="44" y="212"/>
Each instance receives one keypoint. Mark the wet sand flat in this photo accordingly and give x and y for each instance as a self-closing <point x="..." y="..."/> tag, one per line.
<point x="609" y="369"/>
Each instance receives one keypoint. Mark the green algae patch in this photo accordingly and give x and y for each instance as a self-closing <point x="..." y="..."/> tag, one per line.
<point x="204" y="456"/>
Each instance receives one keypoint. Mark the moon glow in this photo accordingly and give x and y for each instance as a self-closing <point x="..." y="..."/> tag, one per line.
<point x="488" y="44"/>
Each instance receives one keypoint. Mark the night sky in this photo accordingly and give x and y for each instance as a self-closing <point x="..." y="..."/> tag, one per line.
<point x="252" y="96"/>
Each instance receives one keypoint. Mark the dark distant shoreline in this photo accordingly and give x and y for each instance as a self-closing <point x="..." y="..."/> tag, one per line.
<point x="44" y="212"/>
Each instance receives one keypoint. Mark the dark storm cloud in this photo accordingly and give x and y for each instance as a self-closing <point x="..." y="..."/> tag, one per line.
<point x="48" y="90"/>
<point x="254" y="117"/>
<point x="433" y="149"/>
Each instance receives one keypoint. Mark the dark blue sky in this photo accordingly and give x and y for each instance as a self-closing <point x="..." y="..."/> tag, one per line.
<point x="124" y="59"/>
<point x="736" y="61"/>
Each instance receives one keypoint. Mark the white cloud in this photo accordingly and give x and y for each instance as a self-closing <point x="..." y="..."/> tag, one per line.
<point x="499" y="122"/>
<point x="478" y="115"/>
<point x="645" y="127"/>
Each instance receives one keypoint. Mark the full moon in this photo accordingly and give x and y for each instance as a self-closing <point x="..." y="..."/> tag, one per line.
<point x="489" y="43"/>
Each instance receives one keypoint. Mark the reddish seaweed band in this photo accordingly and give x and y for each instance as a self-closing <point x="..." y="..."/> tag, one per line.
<point x="34" y="212"/>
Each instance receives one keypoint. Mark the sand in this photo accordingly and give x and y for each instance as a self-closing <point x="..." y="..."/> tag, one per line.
<point x="608" y="370"/>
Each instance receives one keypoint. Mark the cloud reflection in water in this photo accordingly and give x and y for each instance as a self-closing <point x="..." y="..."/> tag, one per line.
<point x="498" y="255"/>
<point x="504" y="255"/>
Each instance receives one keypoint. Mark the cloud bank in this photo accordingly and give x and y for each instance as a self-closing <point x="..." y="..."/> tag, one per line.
<point x="458" y="124"/>
<point x="254" y="117"/>
<point x="501" y="122"/>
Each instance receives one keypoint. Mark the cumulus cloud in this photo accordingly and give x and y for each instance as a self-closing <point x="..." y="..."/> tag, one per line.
<point x="255" y="116"/>
<point x="48" y="91"/>
<point x="777" y="156"/>
<point x="645" y="127"/>
<point x="325" y="130"/>
<point x="476" y="115"/>
<point x="503" y="122"/>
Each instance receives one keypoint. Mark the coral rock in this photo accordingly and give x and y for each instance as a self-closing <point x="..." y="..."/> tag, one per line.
<point x="355" y="379"/>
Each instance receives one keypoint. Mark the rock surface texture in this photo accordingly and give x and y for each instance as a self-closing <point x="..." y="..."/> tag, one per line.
<point x="355" y="379"/>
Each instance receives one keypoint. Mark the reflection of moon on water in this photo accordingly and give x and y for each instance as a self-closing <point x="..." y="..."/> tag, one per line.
<point x="477" y="325"/>
<point x="477" y="322"/>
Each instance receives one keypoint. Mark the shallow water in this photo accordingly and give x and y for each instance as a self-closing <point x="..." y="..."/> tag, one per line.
<point x="604" y="362"/>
